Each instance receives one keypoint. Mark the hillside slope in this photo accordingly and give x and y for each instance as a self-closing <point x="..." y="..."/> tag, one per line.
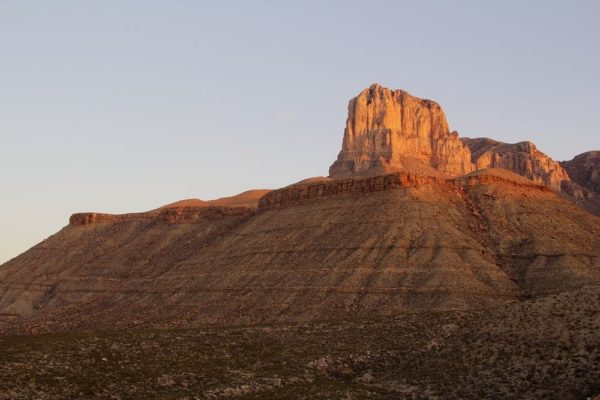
<point x="315" y="250"/>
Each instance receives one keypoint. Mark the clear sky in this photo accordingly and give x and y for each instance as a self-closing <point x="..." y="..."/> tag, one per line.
<point x="121" y="106"/>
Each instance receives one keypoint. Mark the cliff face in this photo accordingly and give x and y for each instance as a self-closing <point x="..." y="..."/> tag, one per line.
<point x="390" y="130"/>
<point x="315" y="190"/>
<point x="393" y="131"/>
<point x="172" y="215"/>
<point x="398" y="180"/>
<point x="523" y="158"/>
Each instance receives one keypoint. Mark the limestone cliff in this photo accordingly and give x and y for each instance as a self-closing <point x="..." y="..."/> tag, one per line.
<point x="390" y="130"/>
<point x="523" y="158"/>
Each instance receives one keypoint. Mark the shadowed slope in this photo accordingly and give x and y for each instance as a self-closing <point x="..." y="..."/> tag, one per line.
<point x="584" y="169"/>
<point x="584" y="189"/>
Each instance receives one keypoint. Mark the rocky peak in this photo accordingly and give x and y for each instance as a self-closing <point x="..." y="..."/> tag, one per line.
<point x="524" y="158"/>
<point x="391" y="130"/>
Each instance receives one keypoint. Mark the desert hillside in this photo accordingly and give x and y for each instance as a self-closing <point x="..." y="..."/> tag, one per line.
<point x="350" y="247"/>
<point x="543" y="348"/>
<point x="412" y="218"/>
<point x="425" y="266"/>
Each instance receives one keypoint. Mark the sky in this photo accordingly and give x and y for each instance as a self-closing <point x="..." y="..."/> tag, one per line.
<point x="122" y="106"/>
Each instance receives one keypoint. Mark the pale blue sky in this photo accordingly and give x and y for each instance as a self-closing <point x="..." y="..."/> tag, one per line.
<point x="121" y="106"/>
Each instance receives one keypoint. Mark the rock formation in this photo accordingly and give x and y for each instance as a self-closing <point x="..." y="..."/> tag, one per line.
<point x="523" y="158"/>
<point x="393" y="131"/>
<point x="584" y="186"/>
<point x="172" y="215"/>
<point x="411" y="219"/>
<point x="412" y="256"/>
<point x="584" y="170"/>
<point x="303" y="191"/>
<point x="390" y="131"/>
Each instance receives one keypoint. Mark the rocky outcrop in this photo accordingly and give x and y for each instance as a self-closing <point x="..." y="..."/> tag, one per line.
<point x="173" y="215"/>
<point x="584" y="170"/>
<point x="92" y="218"/>
<point x="390" y="130"/>
<point x="492" y="176"/>
<point x="398" y="180"/>
<point x="584" y="186"/>
<point x="314" y="190"/>
<point x="523" y="158"/>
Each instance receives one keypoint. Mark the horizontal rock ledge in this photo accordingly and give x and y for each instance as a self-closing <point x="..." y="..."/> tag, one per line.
<point x="297" y="193"/>
<point x="396" y="180"/>
<point x="169" y="215"/>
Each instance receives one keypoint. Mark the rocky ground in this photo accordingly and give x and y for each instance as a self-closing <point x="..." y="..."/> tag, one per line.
<point x="546" y="348"/>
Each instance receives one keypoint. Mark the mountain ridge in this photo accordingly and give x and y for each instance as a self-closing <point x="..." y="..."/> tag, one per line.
<point x="398" y="227"/>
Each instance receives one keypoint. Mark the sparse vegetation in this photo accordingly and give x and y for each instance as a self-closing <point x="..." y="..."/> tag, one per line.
<point x="523" y="350"/>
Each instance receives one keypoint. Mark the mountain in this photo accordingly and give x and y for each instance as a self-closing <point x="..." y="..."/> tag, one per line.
<point x="425" y="266"/>
<point x="411" y="219"/>
<point x="391" y="130"/>
<point x="349" y="247"/>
